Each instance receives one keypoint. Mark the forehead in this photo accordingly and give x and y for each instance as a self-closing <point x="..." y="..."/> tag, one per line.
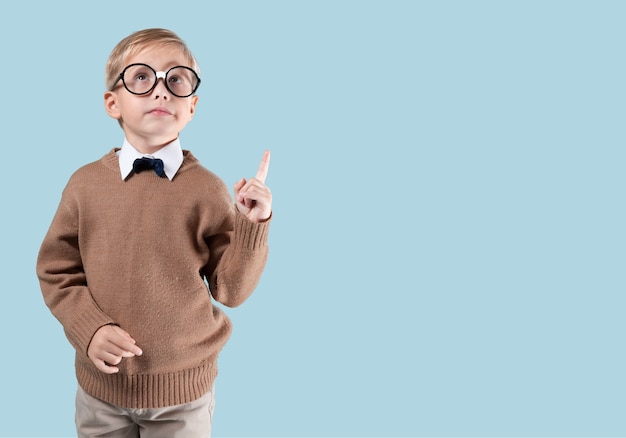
<point x="159" y="57"/>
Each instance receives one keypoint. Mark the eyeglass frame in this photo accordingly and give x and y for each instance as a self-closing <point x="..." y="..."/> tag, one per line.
<point x="158" y="75"/>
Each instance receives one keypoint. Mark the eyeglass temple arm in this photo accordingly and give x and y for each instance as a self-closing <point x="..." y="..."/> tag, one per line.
<point x="116" y="81"/>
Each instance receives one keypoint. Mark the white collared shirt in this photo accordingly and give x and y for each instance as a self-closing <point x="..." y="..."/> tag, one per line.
<point x="172" y="156"/>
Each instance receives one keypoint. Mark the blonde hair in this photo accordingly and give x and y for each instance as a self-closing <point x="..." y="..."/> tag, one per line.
<point x="135" y="43"/>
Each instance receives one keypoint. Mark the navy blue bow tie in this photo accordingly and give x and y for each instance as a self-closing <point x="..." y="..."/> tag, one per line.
<point x="145" y="163"/>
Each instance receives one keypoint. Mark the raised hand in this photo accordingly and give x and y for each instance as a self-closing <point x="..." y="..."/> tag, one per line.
<point x="253" y="197"/>
<point x="109" y="346"/>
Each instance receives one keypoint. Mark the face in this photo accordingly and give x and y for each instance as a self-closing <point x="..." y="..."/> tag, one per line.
<point x="152" y="120"/>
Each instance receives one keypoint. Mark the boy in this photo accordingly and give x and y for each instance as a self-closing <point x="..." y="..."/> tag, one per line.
<point x="124" y="263"/>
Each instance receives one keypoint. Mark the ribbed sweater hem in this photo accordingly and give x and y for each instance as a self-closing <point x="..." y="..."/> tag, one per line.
<point x="147" y="391"/>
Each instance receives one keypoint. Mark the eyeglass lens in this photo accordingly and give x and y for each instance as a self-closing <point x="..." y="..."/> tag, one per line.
<point x="141" y="79"/>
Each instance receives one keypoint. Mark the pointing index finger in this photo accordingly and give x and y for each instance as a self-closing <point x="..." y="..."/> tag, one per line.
<point x="261" y="174"/>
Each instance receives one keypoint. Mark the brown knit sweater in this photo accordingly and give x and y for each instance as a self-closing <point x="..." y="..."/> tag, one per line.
<point x="136" y="253"/>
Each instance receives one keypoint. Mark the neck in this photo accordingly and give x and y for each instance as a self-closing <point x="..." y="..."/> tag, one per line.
<point x="149" y="145"/>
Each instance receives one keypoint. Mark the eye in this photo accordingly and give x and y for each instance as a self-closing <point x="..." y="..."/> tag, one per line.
<point x="140" y="74"/>
<point x="175" y="80"/>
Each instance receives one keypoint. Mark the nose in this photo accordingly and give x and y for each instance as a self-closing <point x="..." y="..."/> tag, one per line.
<point x="160" y="89"/>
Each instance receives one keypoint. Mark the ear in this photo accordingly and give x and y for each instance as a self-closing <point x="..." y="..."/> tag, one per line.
<point x="111" y="106"/>
<point x="192" y="106"/>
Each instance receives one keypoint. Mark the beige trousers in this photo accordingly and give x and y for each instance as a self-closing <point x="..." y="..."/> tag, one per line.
<point x="96" y="418"/>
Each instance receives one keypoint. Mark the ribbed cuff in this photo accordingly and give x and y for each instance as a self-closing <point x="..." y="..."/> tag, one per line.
<point x="86" y="324"/>
<point x="250" y="235"/>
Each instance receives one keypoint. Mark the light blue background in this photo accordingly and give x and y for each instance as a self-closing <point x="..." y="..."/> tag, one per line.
<point x="447" y="252"/>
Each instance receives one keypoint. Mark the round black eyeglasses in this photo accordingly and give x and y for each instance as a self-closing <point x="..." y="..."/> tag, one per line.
<point x="141" y="79"/>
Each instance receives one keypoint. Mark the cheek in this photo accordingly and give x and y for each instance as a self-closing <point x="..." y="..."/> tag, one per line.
<point x="128" y="107"/>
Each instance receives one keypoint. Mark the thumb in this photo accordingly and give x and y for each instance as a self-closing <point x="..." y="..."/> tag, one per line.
<point x="239" y="185"/>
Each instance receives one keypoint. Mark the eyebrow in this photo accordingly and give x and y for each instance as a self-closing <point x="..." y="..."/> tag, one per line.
<point x="168" y="65"/>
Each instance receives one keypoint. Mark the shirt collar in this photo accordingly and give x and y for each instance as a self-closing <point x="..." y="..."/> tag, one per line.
<point x="171" y="154"/>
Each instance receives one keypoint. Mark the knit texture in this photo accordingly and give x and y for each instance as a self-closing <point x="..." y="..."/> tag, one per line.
<point x="140" y="253"/>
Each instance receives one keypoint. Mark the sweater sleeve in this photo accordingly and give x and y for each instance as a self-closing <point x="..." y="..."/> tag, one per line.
<point x="63" y="281"/>
<point x="237" y="260"/>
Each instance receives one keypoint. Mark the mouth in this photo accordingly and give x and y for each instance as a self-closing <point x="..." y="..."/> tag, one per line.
<point x="160" y="111"/>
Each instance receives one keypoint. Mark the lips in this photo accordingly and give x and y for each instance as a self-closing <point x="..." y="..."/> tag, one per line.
<point x="160" y="111"/>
